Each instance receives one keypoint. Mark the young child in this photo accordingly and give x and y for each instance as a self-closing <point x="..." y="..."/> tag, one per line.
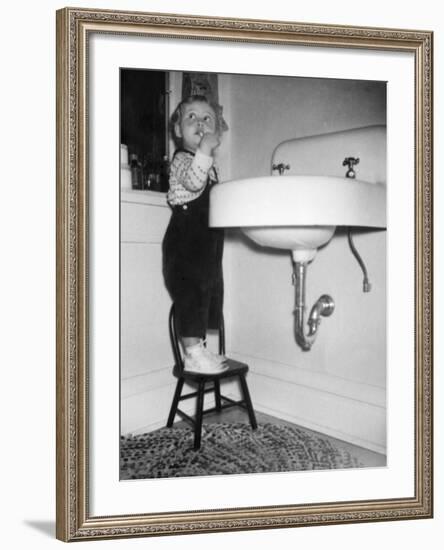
<point x="192" y="252"/>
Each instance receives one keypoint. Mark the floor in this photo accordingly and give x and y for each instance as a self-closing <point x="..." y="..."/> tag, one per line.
<point x="237" y="414"/>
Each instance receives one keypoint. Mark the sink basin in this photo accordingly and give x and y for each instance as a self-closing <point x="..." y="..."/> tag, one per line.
<point x="303" y="241"/>
<point x="296" y="212"/>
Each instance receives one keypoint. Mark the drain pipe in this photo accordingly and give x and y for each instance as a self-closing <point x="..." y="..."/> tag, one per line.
<point x="324" y="307"/>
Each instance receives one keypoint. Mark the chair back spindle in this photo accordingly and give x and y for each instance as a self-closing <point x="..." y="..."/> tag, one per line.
<point x="175" y="340"/>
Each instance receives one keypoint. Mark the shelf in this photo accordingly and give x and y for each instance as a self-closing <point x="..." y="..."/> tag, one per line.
<point x="153" y="198"/>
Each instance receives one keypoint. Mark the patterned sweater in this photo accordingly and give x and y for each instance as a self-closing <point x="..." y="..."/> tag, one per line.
<point x="188" y="176"/>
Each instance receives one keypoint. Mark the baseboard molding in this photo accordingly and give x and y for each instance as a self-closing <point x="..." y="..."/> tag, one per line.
<point x="188" y="407"/>
<point x="146" y="400"/>
<point x="321" y="429"/>
<point x="344" y="409"/>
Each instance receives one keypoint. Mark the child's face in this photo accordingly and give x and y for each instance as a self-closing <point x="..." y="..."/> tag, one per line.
<point x="198" y="118"/>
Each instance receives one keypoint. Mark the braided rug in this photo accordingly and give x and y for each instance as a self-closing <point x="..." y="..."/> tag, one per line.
<point x="228" y="449"/>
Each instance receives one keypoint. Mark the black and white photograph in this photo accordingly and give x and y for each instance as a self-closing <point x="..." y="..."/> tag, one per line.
<point x="253" y="260"/>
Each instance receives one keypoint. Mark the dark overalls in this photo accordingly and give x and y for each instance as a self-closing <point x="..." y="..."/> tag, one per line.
<point x="192" y="267"/>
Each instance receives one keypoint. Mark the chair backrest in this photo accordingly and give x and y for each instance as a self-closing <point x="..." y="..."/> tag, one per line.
<point x="174" y="337"/>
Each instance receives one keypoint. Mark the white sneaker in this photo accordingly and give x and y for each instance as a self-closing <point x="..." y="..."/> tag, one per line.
<point x="220" y="359"/>
<point x="200" y="360"/>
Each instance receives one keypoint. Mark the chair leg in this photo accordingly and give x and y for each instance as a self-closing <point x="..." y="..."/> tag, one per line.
<point x="217" y="395"/>
<point x="175" y="402"/>
<point x="199" y="415"/>
<point x="248" y="402"/>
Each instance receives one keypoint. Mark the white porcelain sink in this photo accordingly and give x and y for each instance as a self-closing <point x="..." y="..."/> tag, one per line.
<point x="303" y="241"/>
<point x="296" y="212"/>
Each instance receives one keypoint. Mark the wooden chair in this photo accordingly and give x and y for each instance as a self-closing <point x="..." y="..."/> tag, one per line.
<point x="206" y="383"/>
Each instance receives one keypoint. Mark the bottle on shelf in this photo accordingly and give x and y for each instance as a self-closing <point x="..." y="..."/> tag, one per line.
<point x="136" y="172"/>
<point x="164" y="173"/>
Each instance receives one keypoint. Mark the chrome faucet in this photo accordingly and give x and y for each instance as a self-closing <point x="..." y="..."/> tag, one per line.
<point x="281" y="167"/>
<point x="350" y="162"/>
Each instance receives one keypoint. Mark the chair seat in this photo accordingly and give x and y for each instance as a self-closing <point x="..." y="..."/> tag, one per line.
<point x="234" y="368"/>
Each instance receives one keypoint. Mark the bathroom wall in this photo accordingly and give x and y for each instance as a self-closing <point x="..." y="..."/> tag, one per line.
<point x="268" y="110"/>
<point x="339" y="386"/>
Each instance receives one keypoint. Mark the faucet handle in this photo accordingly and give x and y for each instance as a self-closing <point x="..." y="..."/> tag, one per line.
<point x="281" y="167"/>
<point x="350" y="162"/>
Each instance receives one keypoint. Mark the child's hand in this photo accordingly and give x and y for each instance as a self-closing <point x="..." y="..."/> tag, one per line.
<point x="208" y="143"/>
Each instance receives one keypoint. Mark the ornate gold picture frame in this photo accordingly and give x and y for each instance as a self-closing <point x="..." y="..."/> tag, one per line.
<point x="77" y="518"/>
